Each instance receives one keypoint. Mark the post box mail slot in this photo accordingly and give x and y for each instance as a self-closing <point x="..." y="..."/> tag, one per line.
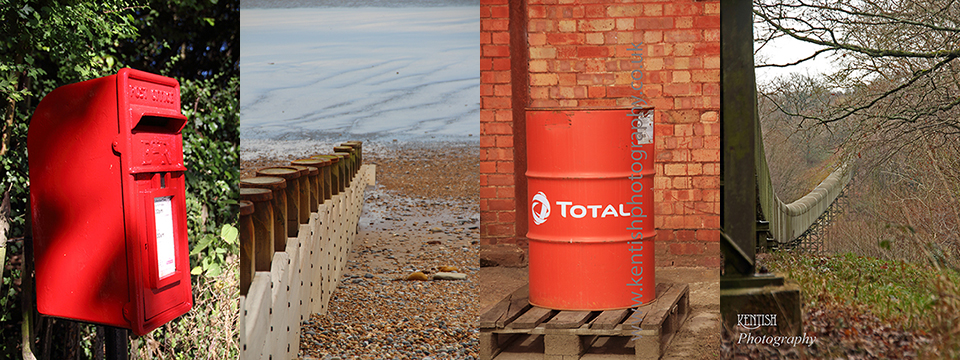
<point x="107" y="202"/>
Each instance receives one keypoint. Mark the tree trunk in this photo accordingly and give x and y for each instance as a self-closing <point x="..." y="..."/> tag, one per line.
<point x="10" y="113"/>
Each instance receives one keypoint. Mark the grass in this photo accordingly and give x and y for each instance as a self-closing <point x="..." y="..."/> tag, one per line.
<point x="896" y="291"/>
<point x="907" y="296"/>
<point x="208" y="331"/>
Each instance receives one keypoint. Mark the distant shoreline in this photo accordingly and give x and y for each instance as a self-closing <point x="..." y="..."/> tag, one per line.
<point x="254" y="149"/>
<point x="437" y="170"/>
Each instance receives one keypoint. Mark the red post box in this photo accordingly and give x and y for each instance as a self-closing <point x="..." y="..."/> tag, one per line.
<point x="107" y="202"/>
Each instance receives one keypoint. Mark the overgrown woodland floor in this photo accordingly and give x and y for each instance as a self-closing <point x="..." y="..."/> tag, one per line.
<point x="861" y="308"/>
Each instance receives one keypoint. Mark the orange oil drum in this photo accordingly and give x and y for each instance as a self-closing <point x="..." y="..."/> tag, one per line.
<point x="591" y="223"/>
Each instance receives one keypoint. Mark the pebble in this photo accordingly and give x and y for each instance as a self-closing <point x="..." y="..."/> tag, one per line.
<point x="417" y="275"/>
<point x="449" y="276"/>
<point x="371" y="318"/>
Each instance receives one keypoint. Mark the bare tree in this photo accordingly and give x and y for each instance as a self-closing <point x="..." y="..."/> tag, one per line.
<point x="897" y="58"/>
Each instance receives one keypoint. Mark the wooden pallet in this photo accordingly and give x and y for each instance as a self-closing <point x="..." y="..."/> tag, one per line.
<point x="513" y="329"/>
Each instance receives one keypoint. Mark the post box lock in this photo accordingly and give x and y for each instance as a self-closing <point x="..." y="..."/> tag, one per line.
<point x="108" y="202"/>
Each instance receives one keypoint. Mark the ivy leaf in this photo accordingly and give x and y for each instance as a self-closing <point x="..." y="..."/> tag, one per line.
<point x="229" y="234"/>
<point x="207" y="239"/>
<point x="214" y="270"/>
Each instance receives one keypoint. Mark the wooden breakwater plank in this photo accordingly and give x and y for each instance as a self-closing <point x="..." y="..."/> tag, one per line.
<point x="255" y="318"/>
<point x="329" y="257"/>
<point x="294" y="285"/>
<point x="279" y="276"/>
<point x="310" y="272"/>
<point x="321" y="260"/>
<point x="303" y="277"/>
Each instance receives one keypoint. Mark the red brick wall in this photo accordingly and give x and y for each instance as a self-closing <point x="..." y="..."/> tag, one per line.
<point x="497" y="167"/>
<point x="580" y="54"/>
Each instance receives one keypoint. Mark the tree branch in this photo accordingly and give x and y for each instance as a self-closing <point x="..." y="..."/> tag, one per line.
<point x="856" y="48"/>
<point x="798" y="61"/>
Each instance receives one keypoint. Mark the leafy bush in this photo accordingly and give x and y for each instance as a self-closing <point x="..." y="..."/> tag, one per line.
<point x="210" y="151"/>
<point x="14" y="179"/>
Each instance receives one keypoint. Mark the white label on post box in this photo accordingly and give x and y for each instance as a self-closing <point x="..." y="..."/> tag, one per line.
<point x="163" y="213"/>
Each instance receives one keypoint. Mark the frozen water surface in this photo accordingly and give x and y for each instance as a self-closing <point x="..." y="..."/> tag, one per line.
<point x="367" y="73"/>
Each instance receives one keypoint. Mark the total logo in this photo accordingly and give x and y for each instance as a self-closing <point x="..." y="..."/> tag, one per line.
<point x="540" y="209"/>
<point x="540" y="199"/>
